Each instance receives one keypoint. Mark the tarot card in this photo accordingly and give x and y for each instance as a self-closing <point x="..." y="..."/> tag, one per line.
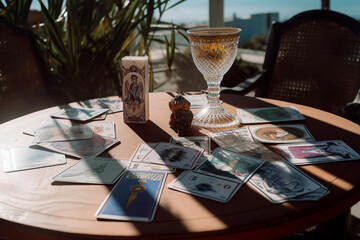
<point x="94" y="170"/>
<point x="230" y="165"/>
<point x="256" y="150"/>
<point x="173" y="155"/>
<point x="206" y="186"/>
<point x="269" y="114"/>
<point x="100" y="117"/>
<point x="312" y="196"/>
<point x="54" y="134"/>
<point x="318" y="152"/>
<point x="141" y="151"/>
<point x="23" y="158"/>
<point x="197" y="100"/>
<point x="232" y="137"/>
<point x="282" y="133"/>
<point x="81" y="148"/>
<point x="48" y="123"/>
<point x="134" y="198"/>
<point x="193" y="142"/>
<point x="280" y="181"/>
<point x="135" y="89"/>
<point x="115" y="105"/>
<point x="105" y="129"/>
<point x="150" y="167"/>
<point x="80" y="114"/>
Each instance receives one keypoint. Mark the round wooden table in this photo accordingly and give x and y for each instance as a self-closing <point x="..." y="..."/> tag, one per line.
<point x="32" y="205"/>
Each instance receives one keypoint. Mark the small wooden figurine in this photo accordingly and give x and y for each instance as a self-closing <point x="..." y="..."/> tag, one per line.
<point x="181" y="115"/>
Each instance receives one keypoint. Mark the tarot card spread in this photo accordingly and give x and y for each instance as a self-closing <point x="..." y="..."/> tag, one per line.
<point x="134" y="198"/>
<point x="281" y="181"/>
<point x="280" y="133"/>
<point x="52" y="134"/>
<point x="269" y="114"/>
<point x="318" y="152"/>
<point x="206" y="186"/>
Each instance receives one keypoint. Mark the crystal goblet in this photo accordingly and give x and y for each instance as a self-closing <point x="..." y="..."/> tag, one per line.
<point x="214" y="51"/>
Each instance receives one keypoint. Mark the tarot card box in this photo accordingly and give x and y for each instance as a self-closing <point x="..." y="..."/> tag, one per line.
<point x="135" y="89"/>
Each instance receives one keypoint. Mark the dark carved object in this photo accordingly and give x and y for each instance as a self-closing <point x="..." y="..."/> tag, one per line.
<point x="181" y="115"/>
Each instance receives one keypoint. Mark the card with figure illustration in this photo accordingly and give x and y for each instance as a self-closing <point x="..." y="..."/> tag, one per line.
<point x="173" y="155"/>
<point x="230" y="165"/>
<point x="27" y="157"/>
<point x="281" y="181"/>
<point x="204" y="185"/>
<point x="193" y="142"/>
<point x="232" y="137"/>
<point x="135" y="89"/>
<point x="318" y="152"/>
<point x="134" y="198"/>
<point x="55" y="134"/>
<point x="269" y="114"/>
<point x="80" y="114"/>
<point x="81" y="148"/>
<point x="280" y="133"/>
<point x="94" y="170"/>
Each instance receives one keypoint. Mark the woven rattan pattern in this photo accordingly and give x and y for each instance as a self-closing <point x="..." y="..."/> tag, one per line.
<point x="22" y="89"/>
<point x="317" y="64"/>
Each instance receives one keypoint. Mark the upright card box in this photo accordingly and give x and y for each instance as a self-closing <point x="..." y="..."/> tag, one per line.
<point x="135" y="89"/>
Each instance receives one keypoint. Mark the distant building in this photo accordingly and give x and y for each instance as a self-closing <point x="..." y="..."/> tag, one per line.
<point x="256" y="24"/>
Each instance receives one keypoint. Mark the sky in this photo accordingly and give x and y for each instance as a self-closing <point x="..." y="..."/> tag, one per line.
<point x="195" y="11"/>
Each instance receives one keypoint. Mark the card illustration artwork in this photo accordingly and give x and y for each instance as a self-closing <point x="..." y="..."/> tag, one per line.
<point x="135" y="89"/>
<point x="318" y="152"/>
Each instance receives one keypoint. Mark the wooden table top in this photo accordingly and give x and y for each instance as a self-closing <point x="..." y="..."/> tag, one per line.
<point x="33" y="205"/>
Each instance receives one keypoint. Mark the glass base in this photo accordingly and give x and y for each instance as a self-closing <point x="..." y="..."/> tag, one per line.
<point x="217" y="118"/>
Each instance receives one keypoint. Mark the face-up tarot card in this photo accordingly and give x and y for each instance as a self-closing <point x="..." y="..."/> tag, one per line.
<point x="318" y="152"/>
<point x="269" y="114"/>
<point x="81" y="148"/>
<point x="280" y="181"/>
<point x="193" y="142"/>
<point x="76" y="132"/>
<point x="115" y="105"/>
<point x="282" y="133"/>
<point x="206" y="186"/>
<point x="134" y="198"/>
<point x="150" y="167"/>
<point x="94" y="170"/>
<point x="230" y="138"/>
<point x="80" y="114"/>
<point x="105" y="129"/>
<point x="230" y="165"/>
<point x="173" y="155"/>
<point x="23" y="158"/>
<point x="141" y="151"/>
<point x="48" y="123"/>
<point x="256" y="150"/>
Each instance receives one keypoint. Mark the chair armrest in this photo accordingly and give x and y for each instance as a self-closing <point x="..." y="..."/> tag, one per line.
<point x="246" y="86"/>
<point x="352" y="109"/>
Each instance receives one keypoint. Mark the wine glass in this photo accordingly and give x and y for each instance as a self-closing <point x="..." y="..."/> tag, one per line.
<point x="214" y="51"/>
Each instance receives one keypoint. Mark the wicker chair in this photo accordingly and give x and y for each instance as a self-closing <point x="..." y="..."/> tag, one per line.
<point x="22" y="88"/>
<point x="311" y="59"/>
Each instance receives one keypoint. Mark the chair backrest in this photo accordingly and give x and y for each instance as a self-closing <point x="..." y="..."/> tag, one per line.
<point x="314" y="59"/>
<point x="22" y="87"/>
